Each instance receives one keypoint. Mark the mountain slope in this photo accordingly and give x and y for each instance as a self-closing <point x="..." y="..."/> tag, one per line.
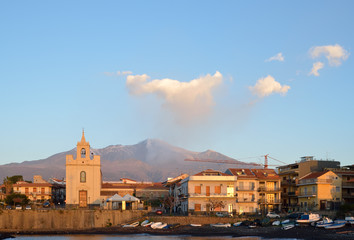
<point x="149" y="160"/>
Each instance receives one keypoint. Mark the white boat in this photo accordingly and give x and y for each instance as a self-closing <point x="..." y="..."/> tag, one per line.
<point x="161" y="226"/>
<point x="285" y="221"/>
<point x="335" y="226"/>
<point x="309" y="218"/>
<point x="135" y="224"/>
<point x="196" y="225"/>
<point x="325" y="222"/>
<point x="340" y="221"/>
<point x="220" y="225"/>
<point x="276" y="223"/>
<point x="155" y="225"/>
<point x="349" y="219"/>
<point x="237" y="224"/>
<point x="288" y="226"/>
<point x="144" y="223"/>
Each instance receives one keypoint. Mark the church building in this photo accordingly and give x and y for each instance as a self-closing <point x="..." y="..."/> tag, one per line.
<point x="83" y="176"/>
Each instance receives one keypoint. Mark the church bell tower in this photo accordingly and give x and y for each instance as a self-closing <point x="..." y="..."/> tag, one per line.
<point x="83" y="176"/>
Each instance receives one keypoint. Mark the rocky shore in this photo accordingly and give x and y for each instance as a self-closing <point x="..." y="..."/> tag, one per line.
<point x="305" y="233"/>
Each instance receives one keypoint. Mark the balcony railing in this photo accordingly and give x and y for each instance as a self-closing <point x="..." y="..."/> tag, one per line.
<point x="289" y="182"/>
<point x="245" y="200"/>
<point x="268" y="189"/>
<point x="209" y="195"/>
<point x="245" y="188"/>
<point x="348" y="195"/>
<point x="315" y="181"/>
<point x="293" y="194"/>
<point x="348" y="184"/>
<point x="308" y="193"/>
<point x="269" y="201"/>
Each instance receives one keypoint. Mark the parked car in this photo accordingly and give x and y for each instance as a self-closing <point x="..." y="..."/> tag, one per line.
<point x="46" y="204"/>
<point x="220" y="214"/>
<point x="8" y="207"/>
<point x="18" y="207"/>
<point x="272" y="215"/>
<point x="28" y="207"/>
<point x="158" y="212"/>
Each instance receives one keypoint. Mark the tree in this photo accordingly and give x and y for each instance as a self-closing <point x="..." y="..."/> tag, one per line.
<point x="169" y="202"/>
<point x="215" y="203"/>
<point x="14" y="179"/>
<point x="16" y="198"/>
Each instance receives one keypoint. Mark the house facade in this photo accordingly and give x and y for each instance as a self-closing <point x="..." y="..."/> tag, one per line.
<point x="291" y="173"/>
<point x="208" y="191"/>
<point x="319" y="191"/>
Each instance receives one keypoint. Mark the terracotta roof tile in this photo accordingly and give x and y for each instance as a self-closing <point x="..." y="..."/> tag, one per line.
<point x="313" y="175"/>
<point x="211" y="171"/>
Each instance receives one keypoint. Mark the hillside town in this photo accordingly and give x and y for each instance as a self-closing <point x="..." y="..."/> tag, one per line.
<point x="306" y="185"/>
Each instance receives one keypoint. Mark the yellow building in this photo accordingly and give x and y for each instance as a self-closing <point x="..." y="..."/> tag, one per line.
<point x="291" y="173"/>
<point x="83" y="177"/>
<point x="34" y="191"/>
<point x="319" y="191"/>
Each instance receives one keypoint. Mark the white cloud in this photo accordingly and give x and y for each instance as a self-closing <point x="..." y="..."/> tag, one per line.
<point x="186" y="100"/>
<point x="278" y="57"/>
<point x="266" y="86"/>
<point x="335" y="54"/>
<point x="118" y="73"/>
<point x="316" y="66"/>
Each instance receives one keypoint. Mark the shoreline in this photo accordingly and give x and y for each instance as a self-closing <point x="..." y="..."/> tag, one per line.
<point x="305" y="233"/>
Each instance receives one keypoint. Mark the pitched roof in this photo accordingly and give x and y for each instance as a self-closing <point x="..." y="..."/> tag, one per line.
<point x="242" y="173"/>
<point x="266" y="174"/>
<point x="313" y="175"/>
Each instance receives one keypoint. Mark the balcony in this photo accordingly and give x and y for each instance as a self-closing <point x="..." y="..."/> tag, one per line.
<point x="293" y="194"/>
<point x="348" y="195"/>
<point x="209" y="195"/>
<point x="269" y="201"/>
<point x="289" y="182"/>
<point x="307" y="194"/>
<point x="315" y="181"/>
<point x="245" y="188"/>
<point x="268" y="189"/>
<point x="347" y="184"/>
<point x="245" y="200"/>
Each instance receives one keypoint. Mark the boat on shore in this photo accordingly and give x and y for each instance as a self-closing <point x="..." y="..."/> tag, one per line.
<point x="155" y="225"/>
<point x="325" y="222"/>
<point x="335" y="226"/>
<point x="237" y="224"/>
<point x="196" y="225"/>
<point x="308" y="218"/>
<point x="134" y="224"/>
<point x="220" y="225"/>
<point x="288" y="226"/>
<point x="276" y="223"/>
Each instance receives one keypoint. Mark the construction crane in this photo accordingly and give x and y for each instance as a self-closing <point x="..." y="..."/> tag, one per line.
<point x="231" y="161"/>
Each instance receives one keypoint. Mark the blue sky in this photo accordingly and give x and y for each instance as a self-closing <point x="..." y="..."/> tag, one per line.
<point x="244" y="78"/>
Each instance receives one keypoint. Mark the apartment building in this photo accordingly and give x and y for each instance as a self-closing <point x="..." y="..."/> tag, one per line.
<point x="346" y="173"/>
<point x="257" y="190"/>
<point x="175" y="191"/>
<point x="319" y="191"/>
<point x="208" y="191"/>
<point x="291" y="173"/>
<point x="34" y="191"/>
<point x="246" y="190"/>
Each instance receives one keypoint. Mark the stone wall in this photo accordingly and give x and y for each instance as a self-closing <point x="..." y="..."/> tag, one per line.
<point x="27" y="220"/>
<point x="195" y="219"/>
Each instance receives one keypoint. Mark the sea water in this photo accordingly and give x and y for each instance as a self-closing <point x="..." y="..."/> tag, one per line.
<point x="139" y="237"/>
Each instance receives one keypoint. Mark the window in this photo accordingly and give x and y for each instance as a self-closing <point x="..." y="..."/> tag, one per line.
<point x="42" y="190"/>
<point x="197" y="207"/>
<point x="26" y="190"/>
<point x="83" y="176"/>
<point x="197" y="189"/>
<point x="34" y="189"/>
<point x="337" y="189"/>
<point x="217" y="189"/>
<point x="83" y="153"/>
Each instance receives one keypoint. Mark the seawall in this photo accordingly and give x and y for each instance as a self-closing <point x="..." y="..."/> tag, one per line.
<point x="32" y="220"/>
